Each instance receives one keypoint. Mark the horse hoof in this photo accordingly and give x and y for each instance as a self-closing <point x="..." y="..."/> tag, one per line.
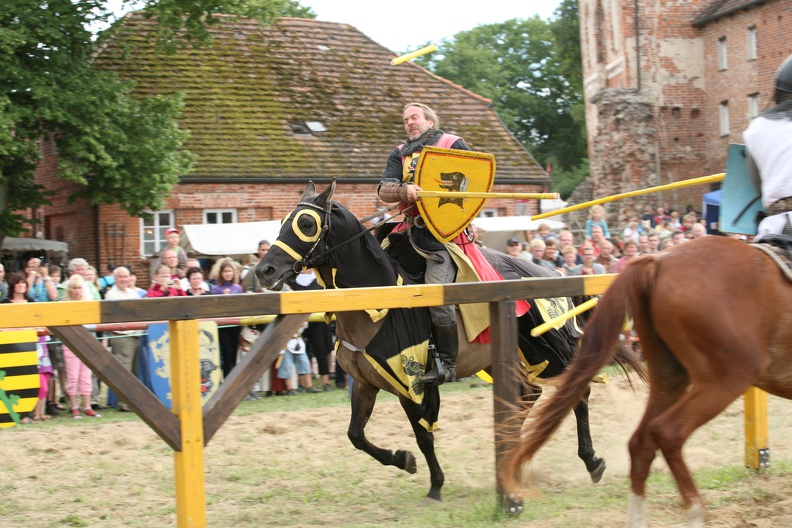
<point x="407" y="462"/>
<point x="514" y="507"/>
<point x="434" y="495"/>
<point x="596" y="473"/>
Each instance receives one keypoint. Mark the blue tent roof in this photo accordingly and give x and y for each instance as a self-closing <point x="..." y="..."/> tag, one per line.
<point x="713" y="198"/>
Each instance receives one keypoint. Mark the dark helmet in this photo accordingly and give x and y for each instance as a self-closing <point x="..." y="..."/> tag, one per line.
<point x="783" y="78"/>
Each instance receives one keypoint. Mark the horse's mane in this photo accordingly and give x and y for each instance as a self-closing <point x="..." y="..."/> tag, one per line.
<point x="367" y="264"/>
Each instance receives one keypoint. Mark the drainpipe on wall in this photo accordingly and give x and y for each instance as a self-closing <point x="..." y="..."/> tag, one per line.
<point x="96" y="241"/>
<point x="637" y="47"/>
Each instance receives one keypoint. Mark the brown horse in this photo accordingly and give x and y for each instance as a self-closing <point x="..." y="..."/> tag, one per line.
<point x="322" y="234"/>
<point x="714" y="317"/>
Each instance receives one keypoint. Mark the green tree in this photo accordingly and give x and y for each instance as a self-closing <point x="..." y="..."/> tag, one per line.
<point x="121" y="149"/>
<point x="531" y="70"/>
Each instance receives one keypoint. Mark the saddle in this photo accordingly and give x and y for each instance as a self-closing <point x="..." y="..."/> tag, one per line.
<point x="779" y="248"/>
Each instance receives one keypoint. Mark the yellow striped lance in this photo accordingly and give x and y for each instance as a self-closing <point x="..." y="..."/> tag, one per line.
<point x="19" y="378"/>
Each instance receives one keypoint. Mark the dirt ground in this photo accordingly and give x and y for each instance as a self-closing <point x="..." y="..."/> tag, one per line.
<point x="297" y="468"/>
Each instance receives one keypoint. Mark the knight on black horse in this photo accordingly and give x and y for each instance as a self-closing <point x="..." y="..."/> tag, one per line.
<point x="397" y="185"/>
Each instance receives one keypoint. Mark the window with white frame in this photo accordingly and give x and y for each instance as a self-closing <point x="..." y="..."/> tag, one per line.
<point x="152" y="231"/>
<point x="752" y="51"/>
<point x="723" y="62"/>
<point x="753" y="105"/>
<point x="724" y="118"/>
<point x="220" y="216"/>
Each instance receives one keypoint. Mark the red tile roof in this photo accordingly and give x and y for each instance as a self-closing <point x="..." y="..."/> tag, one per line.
<point x="245" y="90"/>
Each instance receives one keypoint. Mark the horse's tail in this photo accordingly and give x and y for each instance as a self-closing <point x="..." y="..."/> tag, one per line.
<point x="598" y="347"/>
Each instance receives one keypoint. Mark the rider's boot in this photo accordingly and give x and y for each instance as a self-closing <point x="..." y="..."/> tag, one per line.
<point x="447" y="342"/>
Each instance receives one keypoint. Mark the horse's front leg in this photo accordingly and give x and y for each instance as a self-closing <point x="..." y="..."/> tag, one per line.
<point x="364" y="395"/>
<point x="595" y="466"/>
<point x="425" y="441"/>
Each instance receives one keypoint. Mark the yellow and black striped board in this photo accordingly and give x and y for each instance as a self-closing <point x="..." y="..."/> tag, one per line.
<point x="19" y="379"/>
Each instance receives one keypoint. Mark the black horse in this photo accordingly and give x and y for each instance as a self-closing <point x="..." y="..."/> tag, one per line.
<point x="322" y="234"/>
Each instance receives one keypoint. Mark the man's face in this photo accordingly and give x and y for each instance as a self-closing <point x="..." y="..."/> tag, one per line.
<point x="597" y="234"/>
<point x="169" y="258"/>
<point x="33" y="265"/>
<point x="565" y="239"/>
<point x="537" y="252"/>
<point x="514" y="249"/>
<point x="606" y="248"/>
<point x="123" y="279"/>
<point x="263" y="249"/>
<point x="415" y="122"/>
<point x="654" y="242"/>
<point x="80" y="270"/>
<point x="643" y="242"/>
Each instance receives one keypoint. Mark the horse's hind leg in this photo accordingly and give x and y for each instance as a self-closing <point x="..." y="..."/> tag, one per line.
<point x="667" y="382"/>
<point x="698" y="405"/>
<point x="364" y="396"/>
<point x="425" y="441"/>
<point x="595" y="466"/>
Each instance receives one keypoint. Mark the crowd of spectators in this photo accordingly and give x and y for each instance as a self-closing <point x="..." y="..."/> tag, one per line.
<point x="601" y="248"/>
<point x="69" y="388"/>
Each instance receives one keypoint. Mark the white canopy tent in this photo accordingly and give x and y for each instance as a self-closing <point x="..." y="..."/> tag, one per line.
<point x="496" y="230"/>
<point x="231" y="240"/>
<point x="34" y="244"/>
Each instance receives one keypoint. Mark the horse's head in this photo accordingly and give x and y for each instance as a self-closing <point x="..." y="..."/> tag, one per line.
<point x="300" y="239"/>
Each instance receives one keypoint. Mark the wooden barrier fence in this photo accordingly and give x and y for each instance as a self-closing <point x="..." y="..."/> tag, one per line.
<point x="189" y="427"/>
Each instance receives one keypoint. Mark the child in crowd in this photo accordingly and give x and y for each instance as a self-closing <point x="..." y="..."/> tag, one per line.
<point x="78" y="375"/>
<point x="295" y="355"/>
<point x="597" y="217"/>
<point x="45" y="371"/>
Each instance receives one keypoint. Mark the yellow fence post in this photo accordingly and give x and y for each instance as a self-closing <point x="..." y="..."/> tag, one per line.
<point x="186" y="387"/>
<point x="757" y="451"/>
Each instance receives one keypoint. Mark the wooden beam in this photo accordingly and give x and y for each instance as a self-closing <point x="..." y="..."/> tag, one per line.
<point x="124" y="383"/>
<point x="185" y="308"/>
<point x="757" y="449"/>
<point x="186" y="390"/>
<point x="505" y="382"/>
<point x="250" y="368"/>
<point x="301" y="302"/>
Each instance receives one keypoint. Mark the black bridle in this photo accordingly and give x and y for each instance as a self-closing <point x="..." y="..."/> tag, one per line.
<point x="308" y="261"/>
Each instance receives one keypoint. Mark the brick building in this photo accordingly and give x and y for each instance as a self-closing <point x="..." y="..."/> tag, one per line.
<point x="669" y="85"/>
<point x="268" y="109"/>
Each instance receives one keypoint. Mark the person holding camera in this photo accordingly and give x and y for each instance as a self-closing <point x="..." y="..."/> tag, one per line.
<point x="41" y="287"/>
<point x="164" y="284"/>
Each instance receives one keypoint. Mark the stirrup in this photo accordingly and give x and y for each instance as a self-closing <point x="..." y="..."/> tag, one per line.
<point x="438" y="377"/>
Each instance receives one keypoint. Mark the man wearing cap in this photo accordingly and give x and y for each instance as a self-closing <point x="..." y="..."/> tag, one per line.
<point x="172" y="237"/>
<point x="513" y="247"/>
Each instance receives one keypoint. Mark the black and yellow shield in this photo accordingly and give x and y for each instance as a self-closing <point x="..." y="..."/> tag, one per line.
<point x="19" y="378"/>
<point x="452" y="171"/>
